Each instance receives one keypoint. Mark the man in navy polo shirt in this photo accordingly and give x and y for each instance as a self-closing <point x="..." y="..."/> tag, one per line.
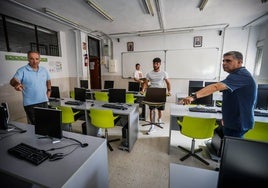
<point x="239" y="96"/>
<point x="34" y="83"/>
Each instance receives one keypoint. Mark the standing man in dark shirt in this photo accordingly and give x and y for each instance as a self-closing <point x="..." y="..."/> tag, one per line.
<point x="239" y="96"/>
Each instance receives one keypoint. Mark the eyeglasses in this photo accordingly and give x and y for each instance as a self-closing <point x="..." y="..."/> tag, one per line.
<point x="227" y="60"/>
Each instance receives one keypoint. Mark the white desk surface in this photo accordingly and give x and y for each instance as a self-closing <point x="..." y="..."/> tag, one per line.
<point x="182" y="110"/>
<point x="191" y="177"/>
<point x="85" y="167"/>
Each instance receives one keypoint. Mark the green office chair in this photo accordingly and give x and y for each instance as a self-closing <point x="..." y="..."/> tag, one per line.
<point x="72" y="94"/>
<point x="130" y="99"/>
<point x="196" y="128"/>
<point x="101" y="96"/>
<point x="102" y="118"/>
<point x="67" y="117"/>
<point x="259" y="132"/>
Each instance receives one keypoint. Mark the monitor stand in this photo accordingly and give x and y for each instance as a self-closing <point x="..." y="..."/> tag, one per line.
<point x="54" y="140"/>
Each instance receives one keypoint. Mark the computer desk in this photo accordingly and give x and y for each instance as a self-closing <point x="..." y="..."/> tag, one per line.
<point x="84" y="167"/>
<point x="188" y="177"/>
<point x="177" y="110"/>
<point x="132" y="114"/>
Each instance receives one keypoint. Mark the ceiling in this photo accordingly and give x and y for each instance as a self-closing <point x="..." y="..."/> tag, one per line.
<point x="130" y="16"/>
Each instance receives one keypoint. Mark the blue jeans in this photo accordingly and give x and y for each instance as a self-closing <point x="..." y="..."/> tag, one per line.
<point x="233" y="132"/>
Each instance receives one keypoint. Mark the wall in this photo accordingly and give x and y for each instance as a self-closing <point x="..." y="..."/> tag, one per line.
<point x="73" y="69"/>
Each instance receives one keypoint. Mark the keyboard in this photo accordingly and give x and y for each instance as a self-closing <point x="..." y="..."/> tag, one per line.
<point x="202" y="109"/>
<point x="114" y="106"/>
<point x="76" y="103"/>
<point x="29" y="153"/>
<point x="260" y="113"/>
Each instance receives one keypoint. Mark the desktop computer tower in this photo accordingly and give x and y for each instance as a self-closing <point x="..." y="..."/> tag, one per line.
<point x="217" y="141"/>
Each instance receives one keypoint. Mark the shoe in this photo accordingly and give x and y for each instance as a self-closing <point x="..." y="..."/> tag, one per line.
<point x="99" y="134"/>
<point x="151" y="130"/>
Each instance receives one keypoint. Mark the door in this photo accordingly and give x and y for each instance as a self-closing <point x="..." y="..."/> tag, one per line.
<point x="94" y="63"/>
<point x="95" y="73"/>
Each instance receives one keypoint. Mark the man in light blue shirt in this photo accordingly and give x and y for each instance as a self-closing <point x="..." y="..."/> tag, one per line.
<point x="34" y="83"/>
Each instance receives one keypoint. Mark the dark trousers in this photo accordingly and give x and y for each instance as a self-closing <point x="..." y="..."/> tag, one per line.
<point x="30" y="111"/>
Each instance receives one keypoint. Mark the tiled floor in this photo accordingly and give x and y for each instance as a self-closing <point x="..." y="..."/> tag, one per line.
<point x="147" y="165"/>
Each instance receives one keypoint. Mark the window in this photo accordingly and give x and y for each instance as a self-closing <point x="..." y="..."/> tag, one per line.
<point x="34" y="37"/>
<point x="3" y="46"/>
<point x="20" y="35"/>
<point x="258" y="61"/>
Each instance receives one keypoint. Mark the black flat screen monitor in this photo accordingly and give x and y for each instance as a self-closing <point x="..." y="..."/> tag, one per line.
<point x="243" y="162"/>
<point x="133" y="86"/>
<point x="48" y="122"/>
<point x="80" y="94"/>
<point x="84" y="84"/>
<point x="55" y="92"/>
<point x="193" y="83"/>
<point x="208" y="83"/>
<point x="4" y="116"/>
<point x="207" y="101"/>
<point x="108" y="84"/>
<point x="117" y="95"/>
<point x="262" y="97"/>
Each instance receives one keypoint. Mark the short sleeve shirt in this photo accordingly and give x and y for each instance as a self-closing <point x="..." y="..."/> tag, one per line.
<point x="239" y="100"/>
<point x="34" y="83"/>
<point x="157" y="79"/>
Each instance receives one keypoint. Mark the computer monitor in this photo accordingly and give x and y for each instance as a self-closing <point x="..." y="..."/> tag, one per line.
<point x="193" y="83"/>
<point x="262" y="97"/>
<point x="80" y="94"/>
<point x="55" y="92"/>
<point x="117" y="95"/>
<point x="108" y="84"/>
<point x="133" y="86"/>
<point x="243" y="161"/>
<point x="207" y="101"/>
<point x="48" y="122"/>
<point x="208" y="83"/>
<point x="4" y="116"/>
<point x="84" y="84"/>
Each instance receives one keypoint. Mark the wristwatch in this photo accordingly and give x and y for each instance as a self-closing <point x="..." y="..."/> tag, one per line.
<point x="193" y="95"/>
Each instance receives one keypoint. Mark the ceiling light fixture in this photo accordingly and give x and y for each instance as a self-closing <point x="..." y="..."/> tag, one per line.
<point x="59" y="17"/>
<point x="148" y="7"/>
<point x="202" y="4"/>
<point x="99" y="10"/>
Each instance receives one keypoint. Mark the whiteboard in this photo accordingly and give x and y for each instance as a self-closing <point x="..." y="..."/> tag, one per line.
<point x="192" y="63"/>
<point x="144" y="58"/>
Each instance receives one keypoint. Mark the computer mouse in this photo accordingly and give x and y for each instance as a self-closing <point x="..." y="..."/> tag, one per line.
<point x="56" y="156"/>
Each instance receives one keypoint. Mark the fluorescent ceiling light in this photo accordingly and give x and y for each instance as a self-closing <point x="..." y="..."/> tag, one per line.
<point x="148" y="7"/>
<point x="99" y="10"/>
<point x="59" y="17"/>
<point x="202" y="4"/>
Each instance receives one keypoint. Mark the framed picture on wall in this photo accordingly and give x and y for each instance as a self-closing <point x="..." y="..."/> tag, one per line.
<point x="130" y="46"/>
<point x="198" y="41"/>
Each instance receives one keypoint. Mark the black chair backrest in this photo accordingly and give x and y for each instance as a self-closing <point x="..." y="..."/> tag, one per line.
<point x="155" y="95"/>
<point x="108" y="84"/>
